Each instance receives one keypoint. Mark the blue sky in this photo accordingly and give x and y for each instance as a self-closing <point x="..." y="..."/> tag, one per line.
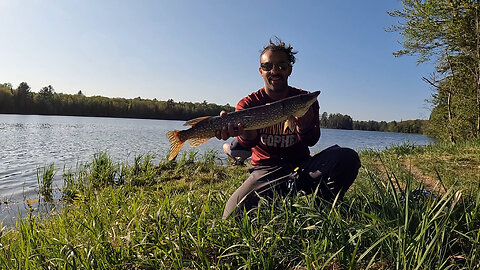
<point x="209" y="50"/>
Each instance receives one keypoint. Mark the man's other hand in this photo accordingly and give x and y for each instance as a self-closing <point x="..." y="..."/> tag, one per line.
<point x="305" y="122"/>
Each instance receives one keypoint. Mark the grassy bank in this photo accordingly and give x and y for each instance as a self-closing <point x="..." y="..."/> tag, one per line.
<point x="168" y="216"/>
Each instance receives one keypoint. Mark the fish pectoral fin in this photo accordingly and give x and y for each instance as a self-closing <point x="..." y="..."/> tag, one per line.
<point x="197" y="141"/>
<point x="289" y="123"/>
<point x="195" y="121"/>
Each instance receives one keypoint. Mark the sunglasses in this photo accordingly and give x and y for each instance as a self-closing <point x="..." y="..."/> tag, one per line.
<point x="267" y="66"/>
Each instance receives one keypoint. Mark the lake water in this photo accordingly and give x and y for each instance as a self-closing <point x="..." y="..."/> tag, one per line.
<point x="29" y="142"/>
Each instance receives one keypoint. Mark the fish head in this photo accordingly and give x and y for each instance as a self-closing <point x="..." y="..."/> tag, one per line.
<point x="300" y="104"/>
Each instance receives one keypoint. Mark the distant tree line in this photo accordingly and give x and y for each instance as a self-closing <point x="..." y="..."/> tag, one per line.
<point x="340" y="121"/>
<point x="23" y="100"/>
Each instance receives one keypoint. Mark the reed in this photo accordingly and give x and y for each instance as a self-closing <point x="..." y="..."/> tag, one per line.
<point x="45" y="180"/>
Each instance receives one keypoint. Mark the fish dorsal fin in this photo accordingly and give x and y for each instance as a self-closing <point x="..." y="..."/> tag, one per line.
<point x="290" y="124"/>
<point x="195" y="121"/>
<point x="197" y="141"/>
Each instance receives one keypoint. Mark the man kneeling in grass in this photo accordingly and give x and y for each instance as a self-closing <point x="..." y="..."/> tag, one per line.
<point x="278" y="152"/>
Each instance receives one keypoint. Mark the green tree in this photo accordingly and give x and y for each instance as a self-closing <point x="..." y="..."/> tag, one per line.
<point x="23" y="97"/>
<point x="44" y="100"/>
<point x="447" y="32"/>
<point x="6" y="98"/>
<point x="324" y="120"/>
<point x="47" y="92"/>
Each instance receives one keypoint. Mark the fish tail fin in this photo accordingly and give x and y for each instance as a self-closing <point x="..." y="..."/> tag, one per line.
<point x="175" y="143"/>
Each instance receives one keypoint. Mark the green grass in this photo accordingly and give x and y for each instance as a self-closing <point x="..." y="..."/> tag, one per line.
<point x="45" y="182"/>
<point x="168" y="216"/>
<point x="452" y="165"/>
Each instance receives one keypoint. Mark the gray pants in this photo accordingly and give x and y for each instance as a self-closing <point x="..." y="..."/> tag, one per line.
<point x="333" y="171"/>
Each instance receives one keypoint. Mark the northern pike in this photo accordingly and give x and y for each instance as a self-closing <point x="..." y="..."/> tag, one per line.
<point x="204" y="128"/>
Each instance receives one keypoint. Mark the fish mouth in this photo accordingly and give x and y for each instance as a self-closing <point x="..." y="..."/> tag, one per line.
<point x="314" y="96"/>
<point x="316" y="93"/>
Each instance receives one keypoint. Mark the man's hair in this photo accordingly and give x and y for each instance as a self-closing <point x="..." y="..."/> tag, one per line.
<point x="279" y="46"/>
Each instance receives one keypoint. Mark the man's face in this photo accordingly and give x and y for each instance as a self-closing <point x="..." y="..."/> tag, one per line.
<point x="275" y="69"/>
